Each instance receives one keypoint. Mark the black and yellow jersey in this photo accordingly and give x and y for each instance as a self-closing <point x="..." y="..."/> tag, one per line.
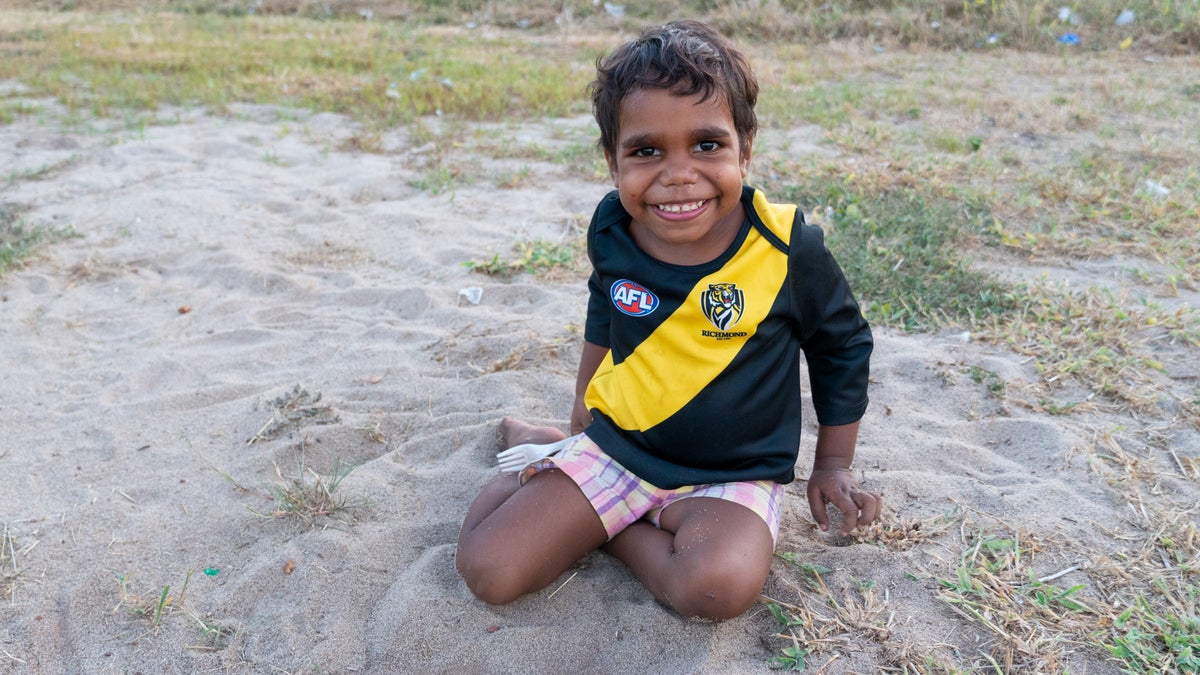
<point x="702" y="380"/>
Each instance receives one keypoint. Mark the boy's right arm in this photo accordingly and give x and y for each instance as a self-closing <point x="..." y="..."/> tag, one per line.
<point x="593" y="355"/>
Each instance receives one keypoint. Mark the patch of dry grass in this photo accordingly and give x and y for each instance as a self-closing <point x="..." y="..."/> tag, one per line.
<point x="1000" y="584"/>
<point x="309" y="496"/>
<point x="9" y="569"/>
<point x="817" y="622"/>
<point x="898" y="533"/>
<point x="289" y="409"/>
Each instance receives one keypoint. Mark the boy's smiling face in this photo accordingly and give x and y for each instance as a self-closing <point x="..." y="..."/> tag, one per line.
<point x="679" y="167"/>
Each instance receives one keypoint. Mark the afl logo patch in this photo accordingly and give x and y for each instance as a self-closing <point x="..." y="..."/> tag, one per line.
<point x="633" y="298"/>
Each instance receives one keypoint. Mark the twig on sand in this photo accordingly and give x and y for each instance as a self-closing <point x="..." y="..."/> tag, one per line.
<point x="1182" y="470"/>
<point x="1061" y="573"/>
<point x="563" y="584"/>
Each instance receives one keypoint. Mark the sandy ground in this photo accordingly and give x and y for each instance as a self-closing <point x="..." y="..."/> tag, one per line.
<point x="160" y="382"/>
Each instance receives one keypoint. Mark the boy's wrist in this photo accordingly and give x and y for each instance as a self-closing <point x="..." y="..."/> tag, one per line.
<point x="832" y="463"/>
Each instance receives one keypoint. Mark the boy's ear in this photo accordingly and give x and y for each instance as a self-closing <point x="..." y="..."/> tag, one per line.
<point x="747" y="151"/>
<point x="612" y="166"/>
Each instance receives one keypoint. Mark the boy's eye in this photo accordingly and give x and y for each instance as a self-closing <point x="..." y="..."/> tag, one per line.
<point x="644" y="152"/>
<point x="708" y="146"/>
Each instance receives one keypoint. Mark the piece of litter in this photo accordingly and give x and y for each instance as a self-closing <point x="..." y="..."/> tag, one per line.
<point x="1068" y="39"/>
<point x="1125" y="18"/>
<point x="473" y="294"/>
<point x="1157" y="189"/>
<point x="211" y="571"/>
<point x="614" y="9"/>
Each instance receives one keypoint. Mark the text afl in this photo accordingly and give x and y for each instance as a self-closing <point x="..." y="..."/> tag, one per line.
<point x="633" y="298"/>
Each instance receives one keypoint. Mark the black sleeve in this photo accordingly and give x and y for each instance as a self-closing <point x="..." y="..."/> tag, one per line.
<point x="595" y="329"/>
<point x="596" y="326"/>
<point x="835" y="337"/>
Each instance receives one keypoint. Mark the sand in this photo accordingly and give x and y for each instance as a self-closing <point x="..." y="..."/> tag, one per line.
<point x="249" y="301"/>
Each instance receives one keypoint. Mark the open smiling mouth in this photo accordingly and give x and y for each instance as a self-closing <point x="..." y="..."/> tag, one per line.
<point x="687" y="207"/>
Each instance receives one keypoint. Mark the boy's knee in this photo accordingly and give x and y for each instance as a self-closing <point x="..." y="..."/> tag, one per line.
<point x="717" y="602"/>
<point x="717" y="591"/>
<point x="486" y="580"/>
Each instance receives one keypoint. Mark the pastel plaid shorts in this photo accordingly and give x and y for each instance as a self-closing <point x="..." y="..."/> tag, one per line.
<point x="621" y="498"/>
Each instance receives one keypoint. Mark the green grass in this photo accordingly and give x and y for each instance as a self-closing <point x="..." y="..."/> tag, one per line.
<point x="151" y="608"/>
<point x="903" y="251"/>
<point x="943" y="24"/>
<point x="1149" y="640"/>
<point x="385" y="72"/>
<point x="308" y="496"/>
<point x="535" y="257"/>
<point x="909" y="257"/>
<point x="19" y="241"/>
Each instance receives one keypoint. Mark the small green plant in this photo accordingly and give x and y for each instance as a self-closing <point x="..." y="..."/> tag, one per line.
<point x="534" y="257"/>
<point x="515" y="179"/>
<point x="995" y="385"/>
<point x="790" y="658"/>
<point x="10" y="112"/>
<point x="214" y="633"/>
<point x="491" y="266"/>
<point x="541" y="255"/>
<point x="8" y="562"/>
<point x="437" y="180"/>
<point x="309" y="496"/>
<point x="18" y="241"/>
<point x="810" y="572"/>
<point x="151" y="608"/>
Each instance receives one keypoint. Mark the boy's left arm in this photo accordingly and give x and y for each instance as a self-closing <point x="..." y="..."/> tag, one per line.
<point x="833" y="482"/>
<point x="837" y="345"/>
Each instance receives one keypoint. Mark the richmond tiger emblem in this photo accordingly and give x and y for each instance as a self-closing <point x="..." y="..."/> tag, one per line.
<point x="723" y="304"/>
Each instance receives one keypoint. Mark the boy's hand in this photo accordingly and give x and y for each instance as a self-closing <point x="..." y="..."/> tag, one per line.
<point x="591" y="358"/>
<point x="581" y="417"/>
<point x="838" y="487"/>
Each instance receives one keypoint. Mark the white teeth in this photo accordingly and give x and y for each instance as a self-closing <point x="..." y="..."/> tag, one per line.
<point x="680" y="208"/>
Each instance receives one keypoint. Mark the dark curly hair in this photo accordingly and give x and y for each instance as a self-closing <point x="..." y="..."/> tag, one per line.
<point x="685" y="57"/>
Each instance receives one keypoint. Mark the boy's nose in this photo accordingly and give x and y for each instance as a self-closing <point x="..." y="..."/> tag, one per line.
<point x="679" y="171"/>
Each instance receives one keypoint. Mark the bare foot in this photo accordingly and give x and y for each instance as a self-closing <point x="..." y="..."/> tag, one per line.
<point x="514" y="432"/>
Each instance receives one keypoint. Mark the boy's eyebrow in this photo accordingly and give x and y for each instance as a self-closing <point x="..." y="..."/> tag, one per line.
<point x="638" y="141"/>
<point x="649" y="139"/>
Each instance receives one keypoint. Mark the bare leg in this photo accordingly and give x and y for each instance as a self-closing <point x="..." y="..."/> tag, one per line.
<point x="514" y="432"/>
<point x="710" y="559"/>
<point x="518" y="539"/>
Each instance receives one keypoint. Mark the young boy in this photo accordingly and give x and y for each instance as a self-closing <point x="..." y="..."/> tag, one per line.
<point x="687" y="409"/>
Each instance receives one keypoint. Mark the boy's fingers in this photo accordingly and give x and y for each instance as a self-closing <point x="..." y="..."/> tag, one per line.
<point x="850" y="517"/>
<point x="816" y="504"/>
<point x="869" y="506"/>
<point x="864" y="508"/>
